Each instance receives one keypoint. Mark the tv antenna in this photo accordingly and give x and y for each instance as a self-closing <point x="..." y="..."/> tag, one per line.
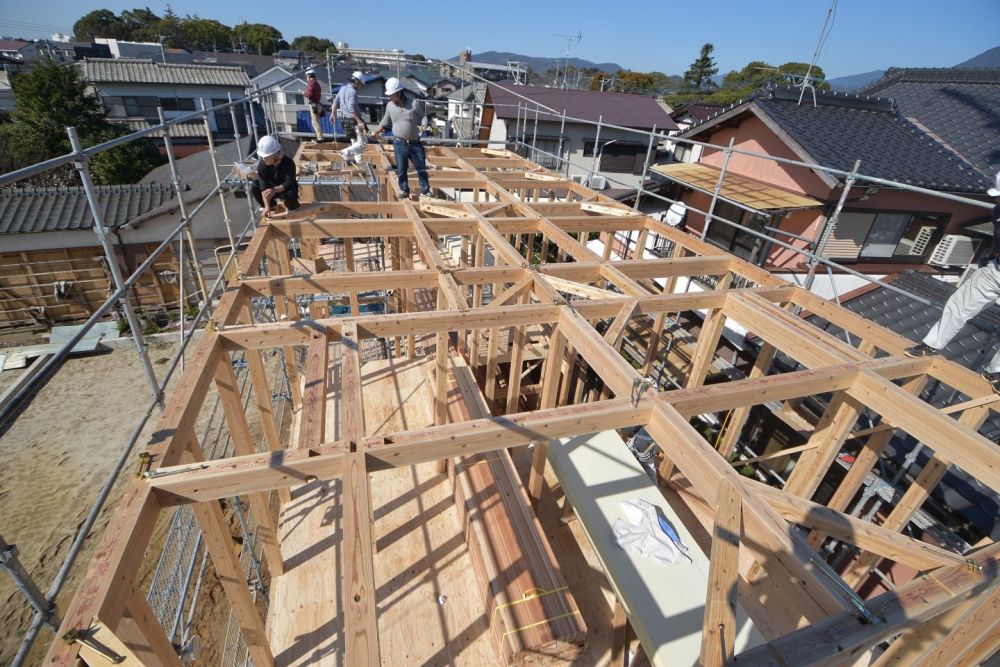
<point x="807" y="80"/>
<point x="570" y="40"/>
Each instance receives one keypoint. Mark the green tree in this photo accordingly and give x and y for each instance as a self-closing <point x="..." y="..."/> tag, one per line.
<point x="627" y="81"/>
<point x="312" y="44"/>
<point x="50" y="98"/>
<point x="98" y="23"/>
<point x="260" y="37"/>
<point x="141" y="25"/>
<point x="204" y="34"/>
<point x="699" y="75"/>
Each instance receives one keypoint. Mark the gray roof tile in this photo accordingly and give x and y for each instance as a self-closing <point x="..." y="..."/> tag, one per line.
<point x="961" y="106"/>
<point x="28" y="210"/>
<point x="114" y="70"/>
<point x="843" y="128"/>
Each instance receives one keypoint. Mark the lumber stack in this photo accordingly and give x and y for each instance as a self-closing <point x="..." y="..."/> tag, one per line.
<point x="531" y="610"/>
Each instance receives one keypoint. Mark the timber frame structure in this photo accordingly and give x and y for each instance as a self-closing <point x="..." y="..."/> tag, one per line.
<point x="764" y="549"/>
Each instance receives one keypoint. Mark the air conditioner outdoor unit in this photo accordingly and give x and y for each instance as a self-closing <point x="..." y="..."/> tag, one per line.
<point x="578" y="178"/>
<point x="953" y="250"/>
<point x="598" y="182"/>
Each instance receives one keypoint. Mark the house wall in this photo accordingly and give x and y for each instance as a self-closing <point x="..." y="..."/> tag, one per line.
<point x="575" y="134"/>
<point x="204" y="93"/>
<point x="753" y="134"/>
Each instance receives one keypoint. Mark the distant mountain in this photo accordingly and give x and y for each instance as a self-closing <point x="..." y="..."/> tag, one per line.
<point x="989" y="58"/>
<point x="853" y="82"/>
<point x="539" y="65"/>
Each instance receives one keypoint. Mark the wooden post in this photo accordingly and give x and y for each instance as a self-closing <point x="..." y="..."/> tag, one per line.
<point x="153" y="634"/>
<point x="312" y="426"/>
<point x="239" y="432"/>
<point x="826" y="439"/>
<point x="516" y="357"/>
<point x="718" y="633"/>
<point x="441" y="383"/>
<point x="349" y="261"/>
<point x="549" y="398"/>
<point x="361" y="631"/>
<point x="738" y="416"/>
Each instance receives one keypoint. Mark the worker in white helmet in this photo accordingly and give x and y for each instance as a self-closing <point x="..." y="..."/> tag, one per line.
<point x="345" y="108"/>
<point x="275" y="177"/>
<point x="405" y="115"/>
<point x="314" y="96"/>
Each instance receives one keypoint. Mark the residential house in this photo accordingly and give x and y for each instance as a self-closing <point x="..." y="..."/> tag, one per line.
<point x="47" y="236"/>
<point x="465" y="111"/>
<point x="513" y="71"/>
<point x="442" y="88"/>
<point x="960" y="106"/>
<point x="392" y="57"/>
<point x="131" y="91"/>
<point x="251" y="63"/>
<point x="124" y="49"/>
<point x="289" y="59"/>
<point x="286" y="94"/>
<point x="18" y="49"/>
<point x="9" y="68"/>
<point x="70" y="52"/>
<point x="587" y="140"/>
<point x="881" y="229"/>
<point x="686" y="115"/>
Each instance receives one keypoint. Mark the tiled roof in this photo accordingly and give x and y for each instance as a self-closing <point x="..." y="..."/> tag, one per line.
<point x="842" y="128"/>
<point x="697" y="112"/>
<point x="113" y="70"/>
<point x="187" y="129"/>
<point x="27" y="210"/>
<point x="958" y="105"/>
<point x="625" y="109"/>
<point x="972" y="347"/>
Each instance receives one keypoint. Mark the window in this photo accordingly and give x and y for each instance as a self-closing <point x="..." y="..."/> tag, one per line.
<point x="140" y="107"/>
<point x="224" y="118"/>
<point x="617" y="156"/>
<point x="732" y="239"/>
<point x="294" y="98"/>
<point x="876" y="236"/>
<point x="177" y="103"/>
<point x="547" y="150"/>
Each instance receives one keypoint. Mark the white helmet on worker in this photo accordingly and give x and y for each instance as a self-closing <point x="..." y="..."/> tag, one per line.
<point x="392" y="86"/>
<point x="357" y="77"/>
<point x="268" y="146"/>
<point x="310" y="72"/>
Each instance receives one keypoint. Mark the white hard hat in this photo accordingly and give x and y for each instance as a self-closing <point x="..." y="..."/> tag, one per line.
<point x="995" y="191"/>
<point x="357" y="75"/>
<point x="392" y="86"/>
<point x="268" y="146"/>
<point x="310" y="72"/>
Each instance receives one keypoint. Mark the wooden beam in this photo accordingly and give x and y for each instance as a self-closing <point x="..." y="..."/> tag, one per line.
<point x="737" y="417"/>
<point x="613" y="336"/>
<point x="610" y="366"/>
<point x="827" y="438"/>
<point x="864" y="534"/>
<point x="708" y="342"/>
<point x="361" y="632"/>
<point x="718" y="633"/>
<point x="790" y="562"/>
<point x="484" y="435"/>
<point x="239" y="432"/>
<point x="219" y="542"/>
<point x="947" y="437"/>
<point x="313" y="421"/>
<point x="153" y="634"/>
<point x="842" y="637"/>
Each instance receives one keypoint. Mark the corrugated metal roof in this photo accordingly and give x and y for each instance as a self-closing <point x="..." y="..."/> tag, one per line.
<point x="740" y="189"/>
<point x="115" y="70"/>
<point x="32" y="210"/>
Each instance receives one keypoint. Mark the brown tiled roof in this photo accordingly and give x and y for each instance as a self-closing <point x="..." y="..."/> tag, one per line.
<point x="625" y="109"/>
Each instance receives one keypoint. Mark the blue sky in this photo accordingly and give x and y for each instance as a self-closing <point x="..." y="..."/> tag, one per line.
<point x="639" y="35"/>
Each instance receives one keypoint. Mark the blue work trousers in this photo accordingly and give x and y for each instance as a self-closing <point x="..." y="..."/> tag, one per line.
<point x="407" y="151"/>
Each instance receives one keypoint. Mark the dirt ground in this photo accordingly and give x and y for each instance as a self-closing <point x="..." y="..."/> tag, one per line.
<point x="56" y="457"/>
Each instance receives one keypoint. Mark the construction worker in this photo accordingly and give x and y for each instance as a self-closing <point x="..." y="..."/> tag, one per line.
<point x="405" y="115"/>
<point x="314" y="94"/>
<point x="275" y="177"/>
<point x="345" y="108"/>
<point x="973" y="296"/>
